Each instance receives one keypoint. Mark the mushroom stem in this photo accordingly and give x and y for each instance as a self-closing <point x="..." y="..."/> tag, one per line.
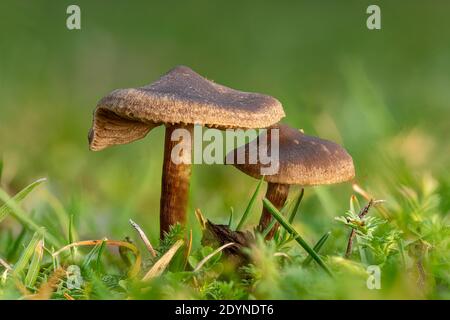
<point x="276" y="193"/>
<point x="175" y="182"/>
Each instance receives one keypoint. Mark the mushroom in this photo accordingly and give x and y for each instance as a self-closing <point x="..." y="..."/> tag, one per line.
<point x="179" y="99"/>
<point x="303" y="160"/>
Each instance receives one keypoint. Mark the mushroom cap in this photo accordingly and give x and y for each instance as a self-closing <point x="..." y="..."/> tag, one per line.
<point x="179" y="96"/>
<point x="303" y="160"/>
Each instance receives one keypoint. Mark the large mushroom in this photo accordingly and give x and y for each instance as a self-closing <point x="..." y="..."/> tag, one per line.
<point x="303" y="160"/>
<point x="179" y="99"/>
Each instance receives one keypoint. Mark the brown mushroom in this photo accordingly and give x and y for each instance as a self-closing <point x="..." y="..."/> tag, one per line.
<point x="303" y="160"/>
<point x="179" y="99"/>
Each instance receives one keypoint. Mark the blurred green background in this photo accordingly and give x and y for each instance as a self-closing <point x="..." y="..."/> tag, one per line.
<point x="382" y="94"/>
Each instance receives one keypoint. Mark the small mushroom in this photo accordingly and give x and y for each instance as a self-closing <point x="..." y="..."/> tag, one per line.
<point x="179" y="99"/>
<point x="303" y="160"/>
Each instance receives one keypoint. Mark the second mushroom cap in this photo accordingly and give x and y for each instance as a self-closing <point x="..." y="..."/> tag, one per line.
<point x="303" y="160"/>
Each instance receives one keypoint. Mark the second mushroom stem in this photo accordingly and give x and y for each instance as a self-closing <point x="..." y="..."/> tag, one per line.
<point x="175" y="181"/>
<point x="277" y="194"/>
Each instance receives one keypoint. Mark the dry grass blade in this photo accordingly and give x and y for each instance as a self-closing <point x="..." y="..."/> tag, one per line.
<point x="369" y="197"/>
<point x="4" y="277"/>
<point x="188" y="250"/>
<point x="201" y="219"/>
<point x="144" y="238"/>
<point x="5" y="264"/>
<point x="158" y="268"/>
<point x="361" y="191"/>
<point x="137" y="263"/>
<point x="47" y="288"/>
<point x="68" y="296"/>
<point x="282" y="254"/>
<point x="212" y="254"/>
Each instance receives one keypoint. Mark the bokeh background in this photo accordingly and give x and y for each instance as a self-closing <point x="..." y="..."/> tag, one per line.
<point x="382" y="94"/>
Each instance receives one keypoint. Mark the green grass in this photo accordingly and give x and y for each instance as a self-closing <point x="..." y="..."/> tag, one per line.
<point x="383" y="95"/>
<point x="410" y="248"/>
<point x="249" y="206"/>
<point x="295" y="236"/>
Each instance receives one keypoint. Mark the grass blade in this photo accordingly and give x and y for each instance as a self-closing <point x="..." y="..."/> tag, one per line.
<point x="35" y="264"/>
<point x="188" y="250"/>
<point x="5" y="210"/>
<point x="62" y="215"/>
<point x="22" y="263"/>
<point x="273" y="222"/>
<point x="250" y="205"/>
<point x="230" y="219"/>
<point x="137" y="263"/>
<point x="13" y="251"/>
<point x="158" y="268"/>
<point x="209" y="256"/>
<point x="93" y="255"/>
<point x="98" y="263"/>
<point x="26" y="221"/>
<point x="5" y="265"/>
<point x="317" y="247"/>
<point x="71" y="240"/>
<point x="354" y="204"/>
<point x="277" y="215"/>
<point x="144" y="238"/>
<point x="55" y="261"/>
<point x="268" y="228"/>
<point x="296" y="206"/>
<point x="292" y="214"/>
<point x="200" y="218"/>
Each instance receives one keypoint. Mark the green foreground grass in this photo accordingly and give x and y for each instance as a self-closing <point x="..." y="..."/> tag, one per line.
<point x="408" y="240"/>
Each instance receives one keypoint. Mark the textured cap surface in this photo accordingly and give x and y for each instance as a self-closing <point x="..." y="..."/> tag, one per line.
<point x="179" y="96"/>
<point x="304" y="160"/>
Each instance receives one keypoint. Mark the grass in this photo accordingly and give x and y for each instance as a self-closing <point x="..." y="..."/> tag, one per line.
<point x="411" y="250"/>
<point x="249" y="206"/>
<point x="379" y="94"/>
<point x="297" y="237"/>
